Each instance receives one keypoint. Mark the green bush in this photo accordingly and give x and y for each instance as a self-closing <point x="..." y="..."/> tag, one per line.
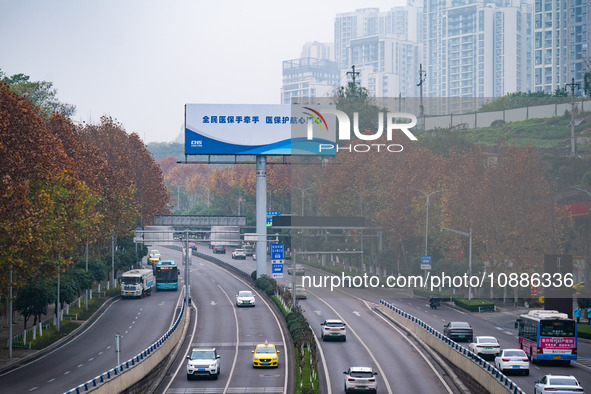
<point x="475" y="304"/>
<point x="584" y="331"/>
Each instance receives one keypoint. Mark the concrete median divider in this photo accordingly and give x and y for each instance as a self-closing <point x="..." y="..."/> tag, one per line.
<point x="130" y="372"/>
<point x="485" y="374"/>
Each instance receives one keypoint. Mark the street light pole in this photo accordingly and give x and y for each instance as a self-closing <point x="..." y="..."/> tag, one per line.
<point x="428" y="195"/>
<point x="572" y="87"/>
<point x="469" y="256"/>
<point x="303" y="191"/>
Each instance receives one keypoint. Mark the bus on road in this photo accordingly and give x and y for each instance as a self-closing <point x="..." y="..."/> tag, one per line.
<point x="548" y="335"/>
<point x="167" y="275"/>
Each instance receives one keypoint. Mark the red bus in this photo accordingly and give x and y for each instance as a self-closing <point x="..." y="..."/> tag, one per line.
<point x="548" y="335"/>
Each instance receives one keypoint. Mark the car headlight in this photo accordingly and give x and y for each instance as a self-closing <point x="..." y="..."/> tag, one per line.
<point x="212" y="366"/>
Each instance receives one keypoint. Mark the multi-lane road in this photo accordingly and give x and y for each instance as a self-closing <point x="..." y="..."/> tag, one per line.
<point x="372" y="340"/>
<point x="234" y="332"/>
<point x="139" y="322"/>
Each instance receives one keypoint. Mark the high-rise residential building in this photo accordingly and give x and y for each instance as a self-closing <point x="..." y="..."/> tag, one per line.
<point x="477" y="48"/>
<point x="318" y="50"/>
<point x="561" y="37"/>
<point x="383" y="46"/>
<point x="387" y="64"/>
<point x="308" y="77"/>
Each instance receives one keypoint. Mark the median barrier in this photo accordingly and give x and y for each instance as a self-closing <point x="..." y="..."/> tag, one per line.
<point x="486" y="375"/>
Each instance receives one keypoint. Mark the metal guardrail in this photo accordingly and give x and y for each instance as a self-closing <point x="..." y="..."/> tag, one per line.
<point x="493" y="371"/>
<point x="126" y="365"/>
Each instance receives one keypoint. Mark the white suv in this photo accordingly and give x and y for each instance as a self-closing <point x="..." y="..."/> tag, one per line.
<point x="239" y="254"/>
<point x="359" y="379"/>
<point x="203" y="362"/>
<point x="333" y="329"/>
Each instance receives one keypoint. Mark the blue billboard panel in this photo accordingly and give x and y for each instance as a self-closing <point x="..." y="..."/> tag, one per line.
<point x="257" y="129"/>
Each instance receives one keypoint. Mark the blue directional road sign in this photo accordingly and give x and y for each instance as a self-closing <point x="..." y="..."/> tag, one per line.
<point x="277" y="252"/>
<point x="277" y="270"/>
<point x="425" y="262"/>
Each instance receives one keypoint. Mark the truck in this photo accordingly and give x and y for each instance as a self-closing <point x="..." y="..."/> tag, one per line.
<point x="137" y="283"/>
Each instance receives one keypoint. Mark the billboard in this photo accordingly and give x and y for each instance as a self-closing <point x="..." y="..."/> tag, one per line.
<point x="258" y="129"/>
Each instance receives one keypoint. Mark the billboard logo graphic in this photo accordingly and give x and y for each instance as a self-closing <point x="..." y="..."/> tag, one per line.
<point x="317" y="117"/>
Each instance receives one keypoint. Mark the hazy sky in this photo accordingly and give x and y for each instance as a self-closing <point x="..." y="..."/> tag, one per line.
<point x="141" y="61"/>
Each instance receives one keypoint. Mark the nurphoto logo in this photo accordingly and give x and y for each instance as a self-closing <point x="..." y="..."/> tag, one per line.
<point x="392" y="123"/>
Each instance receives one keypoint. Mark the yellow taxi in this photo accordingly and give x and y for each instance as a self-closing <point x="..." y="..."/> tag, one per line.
<point x="265" y="355"/>
<point x="153" y="257"/>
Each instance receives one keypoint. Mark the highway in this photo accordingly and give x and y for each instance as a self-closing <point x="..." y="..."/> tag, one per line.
<point x="234" y="332"/>
<point x="375" y="342"/>
<point x="140" y="322"/>
<point x="371" y="341"/>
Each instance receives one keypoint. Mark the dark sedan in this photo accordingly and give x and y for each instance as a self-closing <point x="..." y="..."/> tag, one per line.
<point x="219" y="249"/>
<point x="458" y="331"/>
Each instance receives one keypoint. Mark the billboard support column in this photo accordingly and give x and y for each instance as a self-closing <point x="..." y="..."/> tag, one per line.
<point x="261" y="215"/>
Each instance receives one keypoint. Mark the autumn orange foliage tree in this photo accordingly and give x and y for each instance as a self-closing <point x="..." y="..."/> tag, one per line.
<point x="63" y="186"/>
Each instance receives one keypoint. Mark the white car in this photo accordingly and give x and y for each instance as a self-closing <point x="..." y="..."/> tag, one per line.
<point x="203" y="362"/>
<point x="245" y="298"/>
<point x="239" y="254"/>
<point x="301" y="292"/>
<point x="485" y="346"/>
<point x="360" y="379"/>
<point x="561" y="384"/>
<point x="333" y="329"/>
<point x="512" y="360"/>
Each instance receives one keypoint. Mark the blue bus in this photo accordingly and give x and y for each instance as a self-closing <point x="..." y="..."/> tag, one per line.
<point x="167" y="275"/>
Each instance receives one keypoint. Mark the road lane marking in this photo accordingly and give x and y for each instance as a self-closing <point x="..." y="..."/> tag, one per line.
<point x="349" y="328"/>
<point x="79" y="365"/>
<point x="34" y="388"/>
<point x="67" y="372"/>
<point x="50" y="380"/>
<point x="499" y="328"/>
<point x="401" y="334"/>
<point x="237" y="340"/>
<point x="60" y="347"/>
<point x="357" y="313"/>
<point x="319" y="313"/>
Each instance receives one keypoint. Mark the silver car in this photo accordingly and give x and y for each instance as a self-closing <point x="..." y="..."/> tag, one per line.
<point x="360" y="379"/>
<point x="203" y="362"/>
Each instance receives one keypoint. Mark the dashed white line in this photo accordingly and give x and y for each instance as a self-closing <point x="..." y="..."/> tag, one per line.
<point x="50" y="380"/>
<point x="99" y="353"/>
<point x="34" y="388"/>
<point x="79" y="365"/>
<point x="499" y="328"/>
<point x="90" y="359"/>
<point x="108" y="347"/>
<point x="67" y="372"/>
<point x="508" y="333"/>
<point x="127" y="331"/>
